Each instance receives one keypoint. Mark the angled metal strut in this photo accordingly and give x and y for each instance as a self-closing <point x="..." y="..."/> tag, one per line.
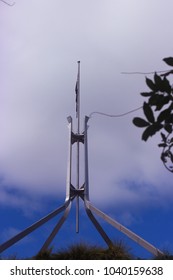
<point x="83" y="193"/>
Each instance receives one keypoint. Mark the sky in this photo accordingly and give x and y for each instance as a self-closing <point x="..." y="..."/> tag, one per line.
<point x="41" y="42"/>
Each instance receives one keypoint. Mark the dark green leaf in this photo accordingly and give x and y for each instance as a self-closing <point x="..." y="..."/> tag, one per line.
<point x="146" y="94"/>
<point x="169" y="119"/>
<point x="158" y="81"/>
<point x="162" y="145"/>
<point x="168" y="128"/>
<point x="148" y="112"/>
<point x="166" y="86"/>
<point x="150" y="131"/>
<point x="158" y="100"/>
<point x="155" y="99"/>
<point x="150" y="84"/>
<point x="168" y="60"/>
<point x="163" y="157"/>
<point x="140" y="122"/>
<point x="162" y="102"/>
<point x="164" y="115"/>
<point x="162" y="85"/>
<point x="171" y="155"/>
<point x="163" y="137"/>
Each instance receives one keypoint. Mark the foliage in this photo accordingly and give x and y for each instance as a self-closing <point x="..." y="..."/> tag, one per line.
<point x="82" y="251"/>
<point x="158" y="112"/>
<point x="10" y="257"/>
<point x="165" y="256"/>
<point x="119" y="251"/>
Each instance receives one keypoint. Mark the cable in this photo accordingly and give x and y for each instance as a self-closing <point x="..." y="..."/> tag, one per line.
<point x="115" y="116"/>
<point x="143" y="73"/>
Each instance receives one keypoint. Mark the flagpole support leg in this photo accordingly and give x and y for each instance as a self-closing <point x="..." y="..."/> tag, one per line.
<point x="98" y="227"/>
<point x="30" y="229"/>
<point x="57" y="227"/>
<point x="139" y="240"/>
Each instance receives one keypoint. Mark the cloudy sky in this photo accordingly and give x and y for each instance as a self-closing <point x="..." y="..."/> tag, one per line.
<point x="41" y="42"/>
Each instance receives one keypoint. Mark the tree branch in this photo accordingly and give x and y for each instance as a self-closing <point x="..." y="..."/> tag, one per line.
<point x="7" y="3"/>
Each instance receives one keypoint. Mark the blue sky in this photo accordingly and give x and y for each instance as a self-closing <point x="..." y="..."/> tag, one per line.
<point x="41" y="42"/>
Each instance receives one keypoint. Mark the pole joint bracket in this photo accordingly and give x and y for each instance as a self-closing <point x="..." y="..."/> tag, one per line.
<point x="77" y="138"/>
<point x="77" y="192"/>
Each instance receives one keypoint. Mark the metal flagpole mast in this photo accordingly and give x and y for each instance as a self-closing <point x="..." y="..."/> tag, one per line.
<point x="78" y="192"/>
<point x="78" y="143"/>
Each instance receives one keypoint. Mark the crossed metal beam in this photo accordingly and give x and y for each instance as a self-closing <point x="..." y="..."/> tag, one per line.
<point x="83" y="193"/>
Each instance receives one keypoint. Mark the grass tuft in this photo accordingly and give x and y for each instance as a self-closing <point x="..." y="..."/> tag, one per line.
<point x="82" y="251"/>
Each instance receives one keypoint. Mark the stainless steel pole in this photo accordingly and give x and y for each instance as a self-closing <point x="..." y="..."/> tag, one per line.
<point x="78" y="147"/>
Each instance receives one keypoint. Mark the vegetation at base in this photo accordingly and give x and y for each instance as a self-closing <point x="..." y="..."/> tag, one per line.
<point x="82" y="251"/>
<point x="10" y="257"/>
<point x="119" y="251"/>
<point x="166" y="256"/>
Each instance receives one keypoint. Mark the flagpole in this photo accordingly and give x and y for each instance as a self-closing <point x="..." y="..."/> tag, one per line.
<point x="78" y="100"/>
<point x="78" y="151"/>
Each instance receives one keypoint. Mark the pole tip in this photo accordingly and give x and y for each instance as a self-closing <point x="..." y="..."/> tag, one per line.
<point x="78" y="61"/>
